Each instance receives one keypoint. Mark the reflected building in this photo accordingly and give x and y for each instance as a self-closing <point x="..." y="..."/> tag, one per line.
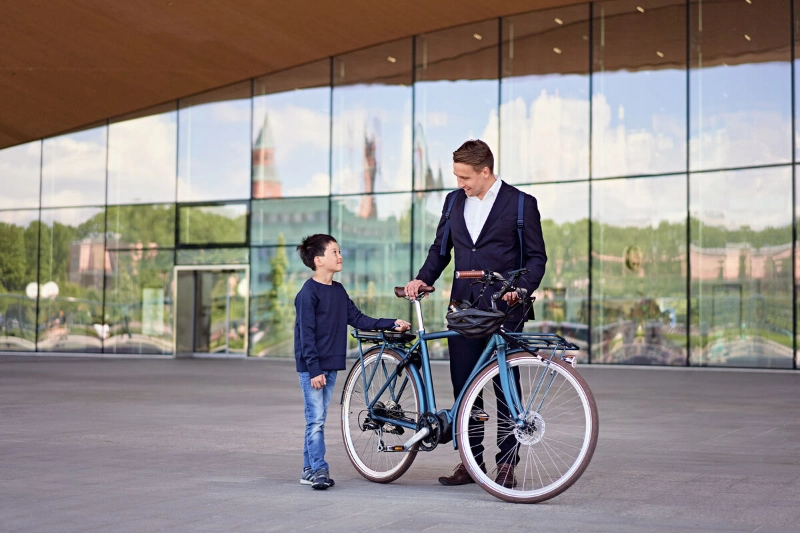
<point x="264" y="175"/>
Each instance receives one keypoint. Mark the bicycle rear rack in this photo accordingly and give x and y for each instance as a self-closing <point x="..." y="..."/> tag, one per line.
<point x="545" y="345"/>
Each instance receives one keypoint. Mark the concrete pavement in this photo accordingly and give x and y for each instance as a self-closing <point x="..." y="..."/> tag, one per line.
<point x="137" y="445"/>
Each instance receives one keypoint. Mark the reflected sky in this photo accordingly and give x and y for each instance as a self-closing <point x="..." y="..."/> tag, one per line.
<point x="214" y="151"/>
<point x="141" y="159"/>
<point x="20" y="168"/>
<point x="74" y="169"/>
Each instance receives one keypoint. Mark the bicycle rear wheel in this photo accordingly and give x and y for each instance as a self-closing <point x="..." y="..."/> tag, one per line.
<point x="365" y="439"/>
<point x="549" y="451"/>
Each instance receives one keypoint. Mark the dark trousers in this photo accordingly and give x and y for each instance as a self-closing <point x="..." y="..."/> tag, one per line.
<point x="464" y="354"/>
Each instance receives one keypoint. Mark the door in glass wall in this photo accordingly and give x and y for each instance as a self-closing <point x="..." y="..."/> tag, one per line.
<point x="211" y="311"/>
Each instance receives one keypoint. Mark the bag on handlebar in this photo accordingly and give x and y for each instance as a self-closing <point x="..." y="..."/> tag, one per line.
<point x="473" y="323"/>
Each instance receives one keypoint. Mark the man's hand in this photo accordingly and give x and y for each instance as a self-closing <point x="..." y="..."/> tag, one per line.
<point x="318" y="382"/>
<point x="401" y="325"/>
<point x="511" y="298"/>
<point x="412" y="288"/>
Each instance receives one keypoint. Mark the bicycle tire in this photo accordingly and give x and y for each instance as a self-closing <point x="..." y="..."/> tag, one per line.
<point x="362" y="444"/>
<point x="553" y="451"/>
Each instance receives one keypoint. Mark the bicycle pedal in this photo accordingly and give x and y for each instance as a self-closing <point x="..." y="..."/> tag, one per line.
<point x="479" y="416"/>
<point x="395" y="449"/>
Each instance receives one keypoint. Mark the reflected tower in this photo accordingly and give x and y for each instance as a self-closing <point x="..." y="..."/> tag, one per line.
<point x="367" y="207"/>
<point x="264" y="176"/>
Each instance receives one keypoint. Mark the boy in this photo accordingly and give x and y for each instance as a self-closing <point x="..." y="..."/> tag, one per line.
<point x="320" y="341"/>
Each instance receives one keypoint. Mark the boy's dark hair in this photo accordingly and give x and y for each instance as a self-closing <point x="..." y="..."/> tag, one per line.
<point x="476" y="153"/>
<point x="314" y="246"/>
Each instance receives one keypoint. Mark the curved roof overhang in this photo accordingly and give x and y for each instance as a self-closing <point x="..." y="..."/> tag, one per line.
<point x="69" y="64"/>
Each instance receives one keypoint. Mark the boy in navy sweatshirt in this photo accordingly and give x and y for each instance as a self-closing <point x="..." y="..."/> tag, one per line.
<point x="320" y="341"/>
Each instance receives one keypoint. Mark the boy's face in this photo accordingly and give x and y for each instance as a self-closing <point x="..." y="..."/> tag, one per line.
<point x="331" y="260"/>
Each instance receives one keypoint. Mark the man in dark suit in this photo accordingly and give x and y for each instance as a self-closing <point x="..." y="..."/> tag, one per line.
<point x="483" y="236"/>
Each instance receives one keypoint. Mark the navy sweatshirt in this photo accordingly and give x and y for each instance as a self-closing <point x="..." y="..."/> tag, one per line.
<point x="320" y="331"/>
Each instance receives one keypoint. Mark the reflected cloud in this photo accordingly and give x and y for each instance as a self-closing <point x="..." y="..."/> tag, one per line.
<point x="19" y="172"/>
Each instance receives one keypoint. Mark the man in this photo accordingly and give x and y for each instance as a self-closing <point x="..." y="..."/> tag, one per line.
<point x="483" y="235"/>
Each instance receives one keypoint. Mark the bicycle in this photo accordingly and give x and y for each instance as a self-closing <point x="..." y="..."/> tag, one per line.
<point x="389" y="410"/>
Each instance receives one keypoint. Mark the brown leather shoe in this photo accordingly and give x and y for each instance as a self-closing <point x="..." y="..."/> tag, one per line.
<point x="505" y="476"/>
<point x="460" y="476"/>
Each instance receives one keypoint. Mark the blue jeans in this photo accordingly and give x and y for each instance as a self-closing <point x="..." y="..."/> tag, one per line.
<point x="316" y="407"/>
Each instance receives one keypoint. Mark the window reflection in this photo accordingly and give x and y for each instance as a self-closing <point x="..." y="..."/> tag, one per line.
<point x="74" y="169"/>
<point x="142" y="151"/>
<point x="291" y="132"/>
<point x="428" y="209"/>
<point x="455" y="98"/>
<point x="639" y="100"/>
<point x="372" y="119"/>
<point x="214" y="145"/>
<point x="138" y="307"/>
<point x="19" y="235"/>
<point x="20" y="168"/>
<point x="212" y="224"/>
<point x="741" y="268"/>
<point x="544" y="114"/>
<point x="213" y="256"/>
<point x="141" y="227"/>
<point x="73" y="263"/>
<point x="287" y="220"/>
<point x="277" y="274"/>
<point x="562" y="298"/>
<point x="374" y="232"/>
<point x="740" y="80"/>
<point x="639" y="271"/>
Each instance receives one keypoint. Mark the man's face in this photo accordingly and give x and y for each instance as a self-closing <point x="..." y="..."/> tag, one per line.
<point x="474" y="182"/>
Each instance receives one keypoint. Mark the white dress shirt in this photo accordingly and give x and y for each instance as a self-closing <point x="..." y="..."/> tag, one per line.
<point x="476" y="211"/>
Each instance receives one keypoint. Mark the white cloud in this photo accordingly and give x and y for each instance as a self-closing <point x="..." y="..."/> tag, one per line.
<point x="19" y="174"/>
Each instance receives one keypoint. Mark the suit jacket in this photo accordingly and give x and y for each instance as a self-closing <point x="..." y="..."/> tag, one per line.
<point x="496" y="248"/>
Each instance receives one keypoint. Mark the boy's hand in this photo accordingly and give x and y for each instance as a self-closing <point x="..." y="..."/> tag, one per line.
<point x="401" y="325"/>
<point x="318" y="382"/>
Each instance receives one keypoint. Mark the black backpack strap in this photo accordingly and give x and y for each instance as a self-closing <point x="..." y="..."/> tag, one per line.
<point x="446" y="235"/>
<point x="519" y="228"/>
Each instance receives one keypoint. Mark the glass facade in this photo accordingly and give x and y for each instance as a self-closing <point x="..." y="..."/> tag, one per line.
<point x="657" y="136"/>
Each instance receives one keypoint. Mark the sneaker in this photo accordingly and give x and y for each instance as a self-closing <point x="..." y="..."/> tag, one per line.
<point x="321" y="480"/>
<point x="308" y="476"/>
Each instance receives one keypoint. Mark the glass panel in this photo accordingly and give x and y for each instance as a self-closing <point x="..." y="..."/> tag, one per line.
<point x="276" y="274"/>
<point x="72" y="265"/>
<point x="428" y="209"/>
<point x="741" y="265"/>
<point x="372" y="119"/>
<point x="213" y="145"/>
<point x="142" y="154"/>
<point x="141" y="226"/>
<point x="214" y="256"/>
<point x="138" y="303"/>
<point x="74" y="169"/>
<point x="740" y="82"/>
<point x="562" y="304"/>
<point x="455" y="98"/>
<point x="292" y="132"/>
<point x="20" y="170"/>
<point x="639" y="49"/>
<point x="374" y="232"/>
<point x="213" y="224"/>
<point x="544" y="115"/>
<point x="639" y="271"/>
<point x="289" y="220"/>
<point x="19" y="249"/>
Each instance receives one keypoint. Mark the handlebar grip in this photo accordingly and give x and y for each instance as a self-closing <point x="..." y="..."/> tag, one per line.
<point x="469" y="274"/>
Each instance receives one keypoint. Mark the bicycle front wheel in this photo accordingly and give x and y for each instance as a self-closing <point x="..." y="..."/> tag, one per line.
<point x="542" y="457"/>
<point x="367" y="440"/>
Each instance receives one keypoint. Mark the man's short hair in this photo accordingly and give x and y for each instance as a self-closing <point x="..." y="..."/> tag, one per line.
<point x="314" y="246"/>
<point x="476" y="153"/>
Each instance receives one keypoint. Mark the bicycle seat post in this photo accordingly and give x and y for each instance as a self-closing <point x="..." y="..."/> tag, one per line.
<point x="418" y="309"/>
